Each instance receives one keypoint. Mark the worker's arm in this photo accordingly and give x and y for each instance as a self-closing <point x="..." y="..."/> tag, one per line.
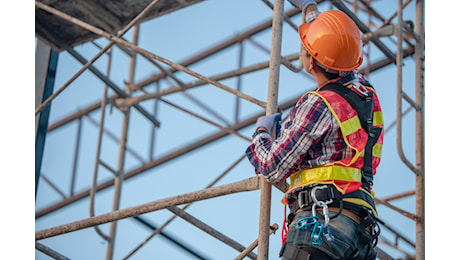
<point x="277" y="159"/>
<point x="309" y="6"/>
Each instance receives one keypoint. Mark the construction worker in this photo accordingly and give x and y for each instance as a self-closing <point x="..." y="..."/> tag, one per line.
<point x="329" y="148"/>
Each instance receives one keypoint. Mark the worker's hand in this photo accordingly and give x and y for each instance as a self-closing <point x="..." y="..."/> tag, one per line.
<point x="302" y="4"/>
<point x="270" y="123"/>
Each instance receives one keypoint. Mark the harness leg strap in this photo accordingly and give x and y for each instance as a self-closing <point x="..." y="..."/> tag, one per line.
<point x="302" y="253"/>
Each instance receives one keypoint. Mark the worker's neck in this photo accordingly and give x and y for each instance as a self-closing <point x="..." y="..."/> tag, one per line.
<point x="320" y="79"/>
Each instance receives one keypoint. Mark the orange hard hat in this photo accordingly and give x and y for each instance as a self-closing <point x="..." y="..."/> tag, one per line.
<point x="334" y="40"/>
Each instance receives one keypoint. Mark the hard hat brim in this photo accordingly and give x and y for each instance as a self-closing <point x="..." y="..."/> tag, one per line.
<point x="303" y="31"/>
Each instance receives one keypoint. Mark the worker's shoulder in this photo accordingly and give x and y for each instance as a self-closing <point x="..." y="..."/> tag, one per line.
<point x="311" y="101"/>
<point x="309" y="98"/>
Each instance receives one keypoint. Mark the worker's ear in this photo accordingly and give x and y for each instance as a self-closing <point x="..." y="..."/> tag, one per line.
<point x="310" y="65"/>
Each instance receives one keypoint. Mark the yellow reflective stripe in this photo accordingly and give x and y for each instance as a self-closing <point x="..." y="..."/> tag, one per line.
<point x="377" y="150"/>
<point x="350" y="126"/>
<point x="367" y="192"/>
<point x="324" y="173"/>
<point x="347" y="127"/>
<point x="362" y="203"/>
<point x="378" y="118"/>
<point x="328" y="105"/>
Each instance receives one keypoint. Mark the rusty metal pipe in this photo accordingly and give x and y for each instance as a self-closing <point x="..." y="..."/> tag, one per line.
<point x="240" y="186"/>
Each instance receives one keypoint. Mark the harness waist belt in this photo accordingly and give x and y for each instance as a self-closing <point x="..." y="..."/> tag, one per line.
<point x="352" y="201"/>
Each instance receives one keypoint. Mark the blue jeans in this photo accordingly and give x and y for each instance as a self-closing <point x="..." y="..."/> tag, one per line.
<point x="343" y="229"/>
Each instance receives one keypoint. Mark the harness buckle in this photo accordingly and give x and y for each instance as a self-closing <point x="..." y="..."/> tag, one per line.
<point x="303" y="199"/>
<point x="359" y="88"/>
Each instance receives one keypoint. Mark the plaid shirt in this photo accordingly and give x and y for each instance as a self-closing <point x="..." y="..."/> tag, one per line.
<point x="310" y="138"/>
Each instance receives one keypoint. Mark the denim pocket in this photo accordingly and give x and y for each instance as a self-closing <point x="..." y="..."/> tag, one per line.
<point x="337" y="248"/>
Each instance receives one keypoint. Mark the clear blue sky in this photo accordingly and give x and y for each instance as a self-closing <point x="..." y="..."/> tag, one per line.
<point x="176" y="37"/>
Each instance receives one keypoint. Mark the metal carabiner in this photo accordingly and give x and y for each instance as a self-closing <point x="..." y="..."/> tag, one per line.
<point x="313" y="210"/>
<point x="315" y="199"/>
<point x="320" y="203"/>
<point x="326" y="214"/>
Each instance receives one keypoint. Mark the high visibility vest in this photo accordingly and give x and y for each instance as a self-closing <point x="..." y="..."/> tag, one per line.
<point x="344" y="174"/>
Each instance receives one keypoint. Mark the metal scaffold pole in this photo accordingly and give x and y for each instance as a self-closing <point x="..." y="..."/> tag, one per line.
<point x="272" y="104"/>
<point x="118" y="180"/>
<point x="420" y="129"/>
<point x="419" y="167"/>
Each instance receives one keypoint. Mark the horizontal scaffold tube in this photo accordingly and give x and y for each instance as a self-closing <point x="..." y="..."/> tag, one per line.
<point x="240" y="186"/>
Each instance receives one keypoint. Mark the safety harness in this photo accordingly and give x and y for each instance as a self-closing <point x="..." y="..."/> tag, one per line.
<point x="310" y="196"/>
<point x="364" y="106"/>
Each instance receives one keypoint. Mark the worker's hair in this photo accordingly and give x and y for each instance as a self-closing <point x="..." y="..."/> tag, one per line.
<point x="328" y="75"/>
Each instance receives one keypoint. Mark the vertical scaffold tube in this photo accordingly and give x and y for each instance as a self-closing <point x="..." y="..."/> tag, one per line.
<point x="420" y="129"/>
<point x="400" y="92"/>
<point x="272" y="104"/>
<point x="118" y="181"/>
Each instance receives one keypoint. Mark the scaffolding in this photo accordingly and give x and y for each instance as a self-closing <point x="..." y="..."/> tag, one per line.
<point x="406" y="38"/>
